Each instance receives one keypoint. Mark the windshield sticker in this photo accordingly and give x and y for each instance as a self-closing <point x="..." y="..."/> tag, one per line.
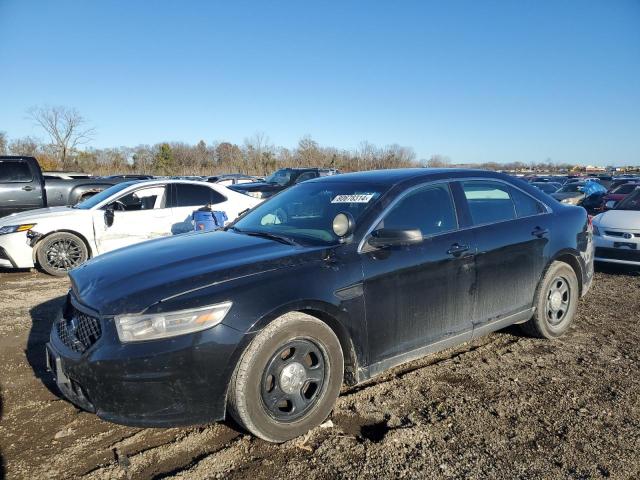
<point x="355" y="198"/>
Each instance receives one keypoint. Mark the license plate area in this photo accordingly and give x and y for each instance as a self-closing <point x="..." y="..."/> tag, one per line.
<point x="54" y="365"/>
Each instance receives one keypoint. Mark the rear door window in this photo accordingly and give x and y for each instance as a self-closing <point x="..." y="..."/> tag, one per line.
<point x="492" y="202"/>
<point x="188" y="195"/>
<point x="430" y="209"/>
<point x="12" y="171"/>
<point x="489" y="202"/>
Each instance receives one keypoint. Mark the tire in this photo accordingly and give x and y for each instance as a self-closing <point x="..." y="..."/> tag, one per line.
<point x="266" y="373"/>
<point x="556" y="303"/>
<point x="60" y="252"/>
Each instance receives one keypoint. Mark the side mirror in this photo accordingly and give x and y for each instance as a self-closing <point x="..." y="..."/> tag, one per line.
<point x="610" y="204"/>
<point x="109" y="216"/>
<point x="386" y="237"/>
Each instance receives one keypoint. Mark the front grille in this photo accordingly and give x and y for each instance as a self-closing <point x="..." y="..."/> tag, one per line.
<point x="620" y="234"/>
<point x="618" y="254"/>
<point x="79" y="331"/>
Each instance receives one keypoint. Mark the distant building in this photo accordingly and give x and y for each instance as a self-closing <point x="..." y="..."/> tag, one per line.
<point x="594" y="169"/>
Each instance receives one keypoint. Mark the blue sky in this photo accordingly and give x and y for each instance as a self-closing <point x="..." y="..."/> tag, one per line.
<point x="473" y="80"/>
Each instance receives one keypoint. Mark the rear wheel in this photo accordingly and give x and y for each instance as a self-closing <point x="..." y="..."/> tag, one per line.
<point x="556" y="302"/>
<point x="60" y="252"/>
<point x="288" y="379"/>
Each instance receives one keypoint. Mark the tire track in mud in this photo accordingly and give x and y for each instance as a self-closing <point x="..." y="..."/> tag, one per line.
<point x="133" y="458"/>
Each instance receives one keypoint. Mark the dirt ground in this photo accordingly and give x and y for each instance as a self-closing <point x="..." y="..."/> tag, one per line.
<point x="504" y="406"/>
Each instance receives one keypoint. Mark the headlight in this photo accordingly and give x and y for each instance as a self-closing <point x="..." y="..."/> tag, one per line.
<point x="16" y="228"/>
<point x="255" y="194"/>
<point x="137" y="328"/>
<point x="571" y="200"/>
<point x="596" y="232"/>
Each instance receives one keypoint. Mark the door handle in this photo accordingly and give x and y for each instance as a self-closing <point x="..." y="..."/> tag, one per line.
<point x="540" y="232"/>
<point x="27" y="188"/>
<point x="456" y="249"/>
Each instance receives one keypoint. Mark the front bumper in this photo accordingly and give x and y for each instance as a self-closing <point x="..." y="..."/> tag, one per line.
<point x="15" y="251"/>
<point x="178" y="381"/>
<point x="618" y="249"/>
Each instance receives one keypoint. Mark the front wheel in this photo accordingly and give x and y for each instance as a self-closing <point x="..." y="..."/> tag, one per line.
<point x="556" y="302"/>
<point x="288" y="378"/>
<point x="60" y="252"/>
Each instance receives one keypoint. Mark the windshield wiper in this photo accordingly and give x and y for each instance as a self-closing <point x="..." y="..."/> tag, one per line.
<point x="270" y="236"/>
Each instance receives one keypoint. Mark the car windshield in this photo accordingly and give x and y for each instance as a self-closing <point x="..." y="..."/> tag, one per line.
<point x="304" y="214"/>
<point x="103" y="195"/>
<point x="631" y="201"/>
<point x="281" y="177"/>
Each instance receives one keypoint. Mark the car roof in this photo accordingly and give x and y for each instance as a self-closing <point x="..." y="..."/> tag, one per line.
<point x="396" y="176"/>
<point x="164" y="181"/>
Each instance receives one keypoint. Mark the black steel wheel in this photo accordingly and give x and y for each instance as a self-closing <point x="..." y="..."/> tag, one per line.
<point x="60" y="252"/>
<point x="555" y="302"/>
<point x="288" y="378"/>
<point x="293" y="379"/>
<point x="558" y="301"/>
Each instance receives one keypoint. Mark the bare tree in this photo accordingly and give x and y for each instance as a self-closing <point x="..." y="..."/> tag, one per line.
<point x="3" y="143"/>
<point x="438" y="161"/>
<point x="66" y="128"/>
<point x="27" y="146"/>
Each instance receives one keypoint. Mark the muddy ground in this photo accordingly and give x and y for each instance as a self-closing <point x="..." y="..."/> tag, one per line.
<point x="504" y="406"/>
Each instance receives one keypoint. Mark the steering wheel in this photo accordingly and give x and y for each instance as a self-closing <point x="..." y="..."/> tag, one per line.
<point x="281" y="215"/>
<point x="119" y="206"/>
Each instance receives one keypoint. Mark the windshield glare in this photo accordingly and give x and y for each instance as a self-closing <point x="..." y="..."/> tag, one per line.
<point x="103" y="195"/>
<point x="281" y="177"/>
<point x="305" y="212"/>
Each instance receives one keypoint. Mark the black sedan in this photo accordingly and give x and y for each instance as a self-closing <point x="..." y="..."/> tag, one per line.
<point x="332" y="281"/>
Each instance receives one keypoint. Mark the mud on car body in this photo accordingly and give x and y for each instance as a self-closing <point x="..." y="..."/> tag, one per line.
<point x="334" y="280"/>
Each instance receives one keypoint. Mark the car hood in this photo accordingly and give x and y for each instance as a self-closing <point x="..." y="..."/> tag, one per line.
<point x="619" y="219"/>
<point x="131" y="279"/>
<point x="32" y="216"/>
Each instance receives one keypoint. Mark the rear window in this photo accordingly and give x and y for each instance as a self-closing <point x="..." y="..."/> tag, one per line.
<point x="14" y="171"/>
<point x="196" y="195"/>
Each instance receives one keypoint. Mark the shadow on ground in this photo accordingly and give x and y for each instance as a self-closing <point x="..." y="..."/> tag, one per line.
<point x="42" y="317"/>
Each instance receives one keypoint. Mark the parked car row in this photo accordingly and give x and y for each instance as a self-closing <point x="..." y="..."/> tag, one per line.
<point x="332" y="281"/>
<point x="617" y="231"/>
<point x="572" y="190"/>
<point x="58" y="239"/>
<point x="23" y="186"/>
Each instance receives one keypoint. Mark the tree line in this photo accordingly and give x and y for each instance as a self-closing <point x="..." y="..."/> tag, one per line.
<point x="68" y="133"/>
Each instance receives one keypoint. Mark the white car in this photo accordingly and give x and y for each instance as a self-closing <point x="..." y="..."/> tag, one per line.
<point x="61" y="238"/>
<point x="617" y="232"/>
